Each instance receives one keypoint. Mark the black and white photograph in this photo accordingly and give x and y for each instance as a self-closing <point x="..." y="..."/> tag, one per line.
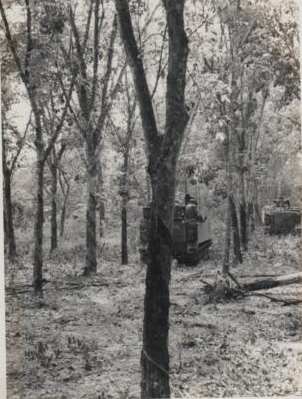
<point x="151" y="199"/>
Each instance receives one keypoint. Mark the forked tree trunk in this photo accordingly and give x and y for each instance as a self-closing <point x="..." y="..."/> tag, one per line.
<point x="38" y="251"/>
<point x="53" y="221"/>
<point x="163" y="153"/>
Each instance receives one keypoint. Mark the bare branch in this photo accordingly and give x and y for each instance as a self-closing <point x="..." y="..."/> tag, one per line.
<point x="20" y="147"/>
<point x="86" y="35"/>
<point x="160" y="69"/>
<point x="29" y="46"/>
<point x="71" y="109"/>
<point x="96" y="53"/>
<point x="176" y="79"/>
<point x="61" y="122"/>
<point x="139" y="76"/>
<point x="12" y="46"/>
<point x="108" y="72"/>
<point x="83" y="95"/>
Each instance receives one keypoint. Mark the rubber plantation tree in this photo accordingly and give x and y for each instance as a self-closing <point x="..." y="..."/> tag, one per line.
<point x="65" y="186"/>
<point x="122" y="137"/>
<point x="51" y="110"/>
<point x="96" y="86"/>
<point x="54" y="164"/>
<point x="35" y="76"/>
<point x="163" y="150"/>
<point x="12" y="144"/>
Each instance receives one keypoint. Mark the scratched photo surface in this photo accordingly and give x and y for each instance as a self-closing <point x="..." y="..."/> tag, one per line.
<point x="152" y="192"/>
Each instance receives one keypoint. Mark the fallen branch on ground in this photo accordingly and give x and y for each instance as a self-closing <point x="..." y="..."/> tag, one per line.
<point x="273" y="282"/>
<point x="221" y="290"/>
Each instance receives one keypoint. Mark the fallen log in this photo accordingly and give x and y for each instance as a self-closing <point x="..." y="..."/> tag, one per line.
<point x="221" y="290"/>
<point x="273" y="282"/>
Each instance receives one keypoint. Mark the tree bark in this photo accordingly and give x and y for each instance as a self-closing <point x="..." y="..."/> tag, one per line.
<point x="101" y="204"/>
<point x="102" y="218"/>
<point x="124" y="201"/>
<point x="92" y="191"/>
<point x="124" y="233"/>
<point x="9" y="231"/>
<point x="63" y="210"/>
<point x="227" y="241"/>
<point x="54" y="224"/>
<point x="9" y="224"/>
<point x="155" y="355"/>
<point x="62" y="218"/>
<point x="235" y="228"/>
<point x="38" y="251"/>
<point x="65" y="191"/>
<point x="242" y="207"/>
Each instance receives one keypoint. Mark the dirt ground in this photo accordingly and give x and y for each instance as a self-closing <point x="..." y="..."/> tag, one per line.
<point x="83" y="339"/>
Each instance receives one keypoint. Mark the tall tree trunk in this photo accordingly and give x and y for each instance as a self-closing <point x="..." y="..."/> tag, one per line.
<point x="124" y="200"/>
<point x="54" y="225"/>
<point x="8" y="211"/>
<point x="5" y="228"/>
<point x="250" y="216"/>
<point x="235" y="228"/>
<point x="63" y="180"/>
<point x="243" y="211"/>
<point x="9" y="232"/>
<point x="62" y="218"/>
<point x="163" y="154"/>
<point x="38" y="251"/>
<point x="155" y="355"/>
<point x="91" y="262"/>
<point x="63" y="212"/>
<point x="101" y="205"/>
<point x="124" y="232"/>
<point x="227" y="240"/>
<point x="92" y="191"/>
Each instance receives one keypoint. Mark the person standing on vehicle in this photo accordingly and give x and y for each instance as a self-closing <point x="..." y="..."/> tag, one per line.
<point x="191" y="212"/>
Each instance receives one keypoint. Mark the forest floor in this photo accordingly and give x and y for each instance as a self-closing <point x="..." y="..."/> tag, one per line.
<point x="83" y="338"/>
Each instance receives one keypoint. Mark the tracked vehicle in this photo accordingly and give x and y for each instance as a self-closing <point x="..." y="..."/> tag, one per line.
<point x="280" y="218"/>
<point x="191" y="238"/>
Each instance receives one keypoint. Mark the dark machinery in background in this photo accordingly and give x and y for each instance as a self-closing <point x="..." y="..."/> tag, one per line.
<point x="191" y="238"/>
<point x="280" y="218"/>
